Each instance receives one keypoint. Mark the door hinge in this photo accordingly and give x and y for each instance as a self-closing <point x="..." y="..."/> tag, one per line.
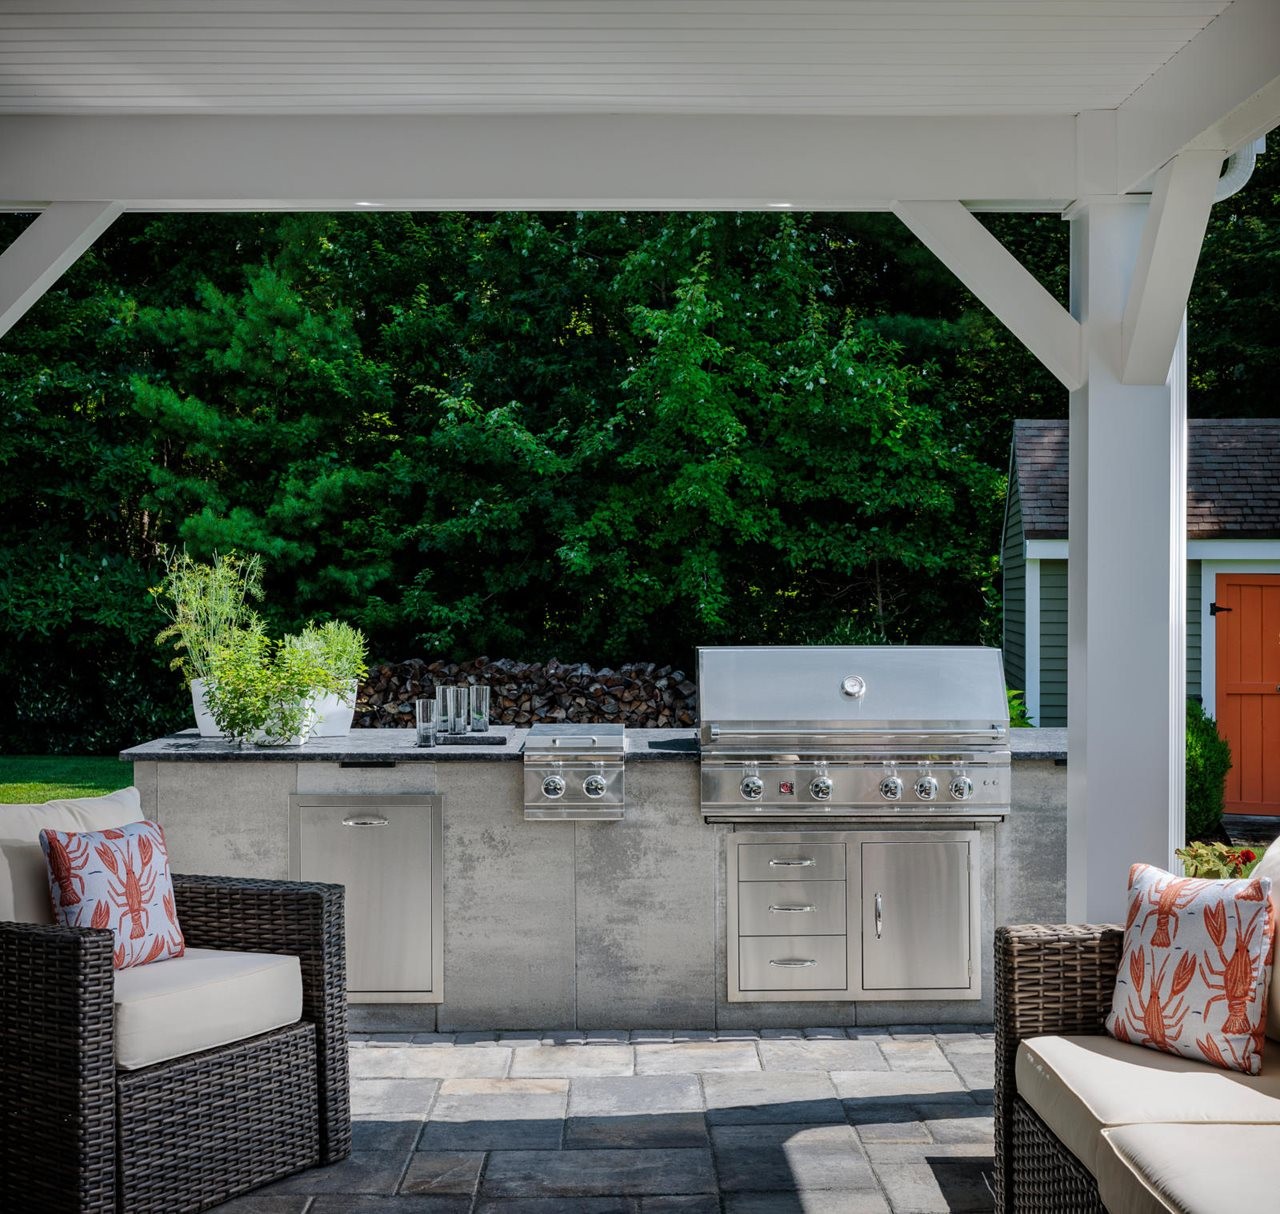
<point x="1218" y="609"/>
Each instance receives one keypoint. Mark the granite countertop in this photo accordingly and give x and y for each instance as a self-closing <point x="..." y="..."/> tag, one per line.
<point x="397" y="746"/>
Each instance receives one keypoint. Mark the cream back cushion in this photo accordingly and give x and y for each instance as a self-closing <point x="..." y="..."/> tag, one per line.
<point x="1269" y="866"/>
<point x="24" y="880"/>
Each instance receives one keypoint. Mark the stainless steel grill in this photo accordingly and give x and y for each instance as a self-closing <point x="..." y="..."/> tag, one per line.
<point x="575" y="772"/>
<point x="816" y="732"/>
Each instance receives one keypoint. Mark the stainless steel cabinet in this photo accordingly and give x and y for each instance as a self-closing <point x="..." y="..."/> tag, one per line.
<point x="915" y="915"/>
<point x="845" y="915"/>
<point x="386" y="851"/>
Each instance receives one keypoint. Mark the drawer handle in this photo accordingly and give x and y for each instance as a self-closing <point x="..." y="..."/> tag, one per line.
<point x="806" y="863"/>
<point x="797" y="964"/>
<point x="879" y="916"/>
<point x="365" y="821"/>
<point x="795" y="910"/>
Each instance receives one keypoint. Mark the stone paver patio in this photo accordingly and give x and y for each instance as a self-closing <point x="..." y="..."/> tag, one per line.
<point x="814" y="1121"/>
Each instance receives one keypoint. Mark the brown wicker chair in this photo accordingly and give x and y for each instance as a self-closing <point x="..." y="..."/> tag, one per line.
<point x="78" y="1135"/>
<point x="1049" y="979"/>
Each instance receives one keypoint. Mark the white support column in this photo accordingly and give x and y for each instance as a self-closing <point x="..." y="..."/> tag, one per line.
<point x="45" y="251"/>
<point x="1126" y="585"/>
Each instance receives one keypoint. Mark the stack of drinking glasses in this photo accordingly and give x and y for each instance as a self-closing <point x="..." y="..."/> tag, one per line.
<point x="452" y="711"/>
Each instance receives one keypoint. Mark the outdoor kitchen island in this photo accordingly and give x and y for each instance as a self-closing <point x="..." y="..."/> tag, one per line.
<point x="571" y="924"/>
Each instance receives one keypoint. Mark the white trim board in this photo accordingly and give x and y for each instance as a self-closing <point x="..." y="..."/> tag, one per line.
<point x="1209" y="571"/>
<point x="1031" y="638"/>
<point x="1197" y="550"/>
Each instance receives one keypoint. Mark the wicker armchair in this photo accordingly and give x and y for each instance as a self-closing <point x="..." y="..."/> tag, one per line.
<point x="1049" y="979"/>
<point x="76" y="1134"/>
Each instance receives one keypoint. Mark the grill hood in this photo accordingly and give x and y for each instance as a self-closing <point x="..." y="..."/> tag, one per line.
<point x="808" y="697"/>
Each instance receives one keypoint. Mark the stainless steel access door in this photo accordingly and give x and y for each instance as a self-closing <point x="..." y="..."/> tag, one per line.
<point x="918" y="912"/>
<point x="386" y="850"/>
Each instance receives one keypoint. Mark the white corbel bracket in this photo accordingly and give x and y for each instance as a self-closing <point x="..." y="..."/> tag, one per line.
<point x="1001" y="282"/>
<point x="1171" y="239"/>
<point x="45" y="251"/>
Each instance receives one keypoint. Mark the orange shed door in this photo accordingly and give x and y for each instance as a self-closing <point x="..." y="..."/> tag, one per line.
<point x="1248" y="694"/>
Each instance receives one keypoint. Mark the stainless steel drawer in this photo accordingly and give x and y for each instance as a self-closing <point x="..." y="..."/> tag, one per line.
<point x="778" y="861"/>
<point x="792" y="963"/>
<point x="783" y="908"/>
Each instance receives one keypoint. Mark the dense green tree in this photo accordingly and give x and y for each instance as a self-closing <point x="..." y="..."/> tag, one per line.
<point x="595" y="435"/>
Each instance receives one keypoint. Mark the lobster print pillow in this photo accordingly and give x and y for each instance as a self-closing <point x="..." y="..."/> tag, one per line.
<point x="117" y="879"/>
<point x="1196" y="968"/>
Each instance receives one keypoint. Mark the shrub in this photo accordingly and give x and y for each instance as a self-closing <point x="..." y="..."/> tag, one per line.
<point x="1208" y="761"/>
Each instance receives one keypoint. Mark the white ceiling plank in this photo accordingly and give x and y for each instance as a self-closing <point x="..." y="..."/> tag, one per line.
<point x="45" y="250"/>
<point x="1171" y="240"/>
<point x="1219" y="91"/>
<point x="1001" y="282"/>
<point x="563" y="161"/>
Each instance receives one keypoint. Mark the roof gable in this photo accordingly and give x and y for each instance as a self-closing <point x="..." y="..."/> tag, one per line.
<point x="1233" y="478"/>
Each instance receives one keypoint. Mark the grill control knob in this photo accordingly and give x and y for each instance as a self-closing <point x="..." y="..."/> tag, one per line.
<point x="820" y="788"/>
<point x="553" y="786"/>
<point x="753" y="788"/>
<point x="962" y="788"/>
<point x="595" y="786"/>
<point x="926" y="788"/>
<point x="891" y="788"/>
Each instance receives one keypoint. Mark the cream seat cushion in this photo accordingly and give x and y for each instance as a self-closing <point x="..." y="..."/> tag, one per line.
<point x="200" y="1000"/>
<point x="1080" y="1086"/>
<point x="1269" y="866"/>
<point x="1189" y="1169"/>
<point x="24" y="879"/>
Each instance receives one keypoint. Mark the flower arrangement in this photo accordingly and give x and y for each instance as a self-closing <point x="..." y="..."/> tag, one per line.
<point x="1217" y="860"/>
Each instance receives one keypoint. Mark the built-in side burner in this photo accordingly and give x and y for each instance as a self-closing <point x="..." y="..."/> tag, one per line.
<point x="575" y="772"/>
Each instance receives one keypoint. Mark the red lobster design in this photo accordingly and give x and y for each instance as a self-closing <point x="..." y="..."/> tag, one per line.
<point x="1168" y="898"/>
<point x="64" y="861"/>
<point x="1233" y="980"/>
<point x="1161" y="1017"/>
<point x="131" y="892"/>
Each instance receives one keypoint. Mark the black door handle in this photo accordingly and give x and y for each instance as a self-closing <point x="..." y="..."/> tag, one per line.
<point x="1215" y="609"/>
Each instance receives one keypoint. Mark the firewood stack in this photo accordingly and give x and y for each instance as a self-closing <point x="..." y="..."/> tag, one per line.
<point x="640" y="695"/>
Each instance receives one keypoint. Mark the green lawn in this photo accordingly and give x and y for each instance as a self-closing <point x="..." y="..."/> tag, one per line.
<point x="34" y="778"/>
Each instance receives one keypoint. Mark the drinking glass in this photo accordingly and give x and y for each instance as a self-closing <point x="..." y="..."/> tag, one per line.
<point x="453" y="716"/>
<point x="480" y="708"/>
<point x="427" y="714"/>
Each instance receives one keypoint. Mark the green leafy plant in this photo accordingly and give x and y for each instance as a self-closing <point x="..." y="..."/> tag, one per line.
<point x="1208" y="761"/>
<point x="341" y="648"/>
<point x="1018" y="718"/>
<point x="206" y="605"/>
<point x="1218" y="860"/>
<point x="262" y="691"/>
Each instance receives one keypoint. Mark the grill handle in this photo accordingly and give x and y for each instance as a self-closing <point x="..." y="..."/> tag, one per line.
<point x="794" y="910"/>
<point x="879" y="915"/>
<point x="797" y="964"/>
<point x="806" y="863"/>
<point x="995" y="732"/>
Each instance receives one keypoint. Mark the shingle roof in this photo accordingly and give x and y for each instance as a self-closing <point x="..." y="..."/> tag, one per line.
<point x="1233" y="478"/>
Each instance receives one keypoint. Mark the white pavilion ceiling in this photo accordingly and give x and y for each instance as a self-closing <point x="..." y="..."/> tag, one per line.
<point x="834" y="57"/>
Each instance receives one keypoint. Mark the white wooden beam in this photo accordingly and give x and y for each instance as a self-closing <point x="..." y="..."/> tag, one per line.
<point x="1171" y="240"/>
<point x="997" y="278"/>
<point x="570" y="162"/>
<point x="1220" y="91"/>
<point x="45" y="251"/>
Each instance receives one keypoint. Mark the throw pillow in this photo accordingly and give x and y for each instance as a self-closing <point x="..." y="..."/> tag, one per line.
<point x="1195" y="971"/>
<point x="1269" y="867"/>
<point x="117" y="879"/>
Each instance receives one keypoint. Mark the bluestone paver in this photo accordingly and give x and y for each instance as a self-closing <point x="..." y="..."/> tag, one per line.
<point x="597" y="1173"/>
<point x="497" y="1114"/>
<point x="787" y="1158"/>
<point x="456" y="1172"/>
<point x="690" y="1057"/>
<point x="822" y="1054"/>
<point x="771" y="1098"/>
<point x="618" y="1095"/>
<point x="545" y="1061"/>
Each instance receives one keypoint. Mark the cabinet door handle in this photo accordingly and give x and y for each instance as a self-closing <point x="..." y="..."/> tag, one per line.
<point x="795" y="910"/>
<point x="364" y="820"/>
<point x="879" y="915"/>
<point x="806" y="863"/>
<point x="797" y="964"/>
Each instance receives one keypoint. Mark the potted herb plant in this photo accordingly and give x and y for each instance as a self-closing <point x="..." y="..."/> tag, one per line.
<point x="343" y="652"/>
<point x="206" y="605"/>
<point x="264" y="692"/>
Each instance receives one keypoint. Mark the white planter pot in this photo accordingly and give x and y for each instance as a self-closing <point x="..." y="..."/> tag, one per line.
<point x="335" y="712"/>
<point x="204" y="719"/>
